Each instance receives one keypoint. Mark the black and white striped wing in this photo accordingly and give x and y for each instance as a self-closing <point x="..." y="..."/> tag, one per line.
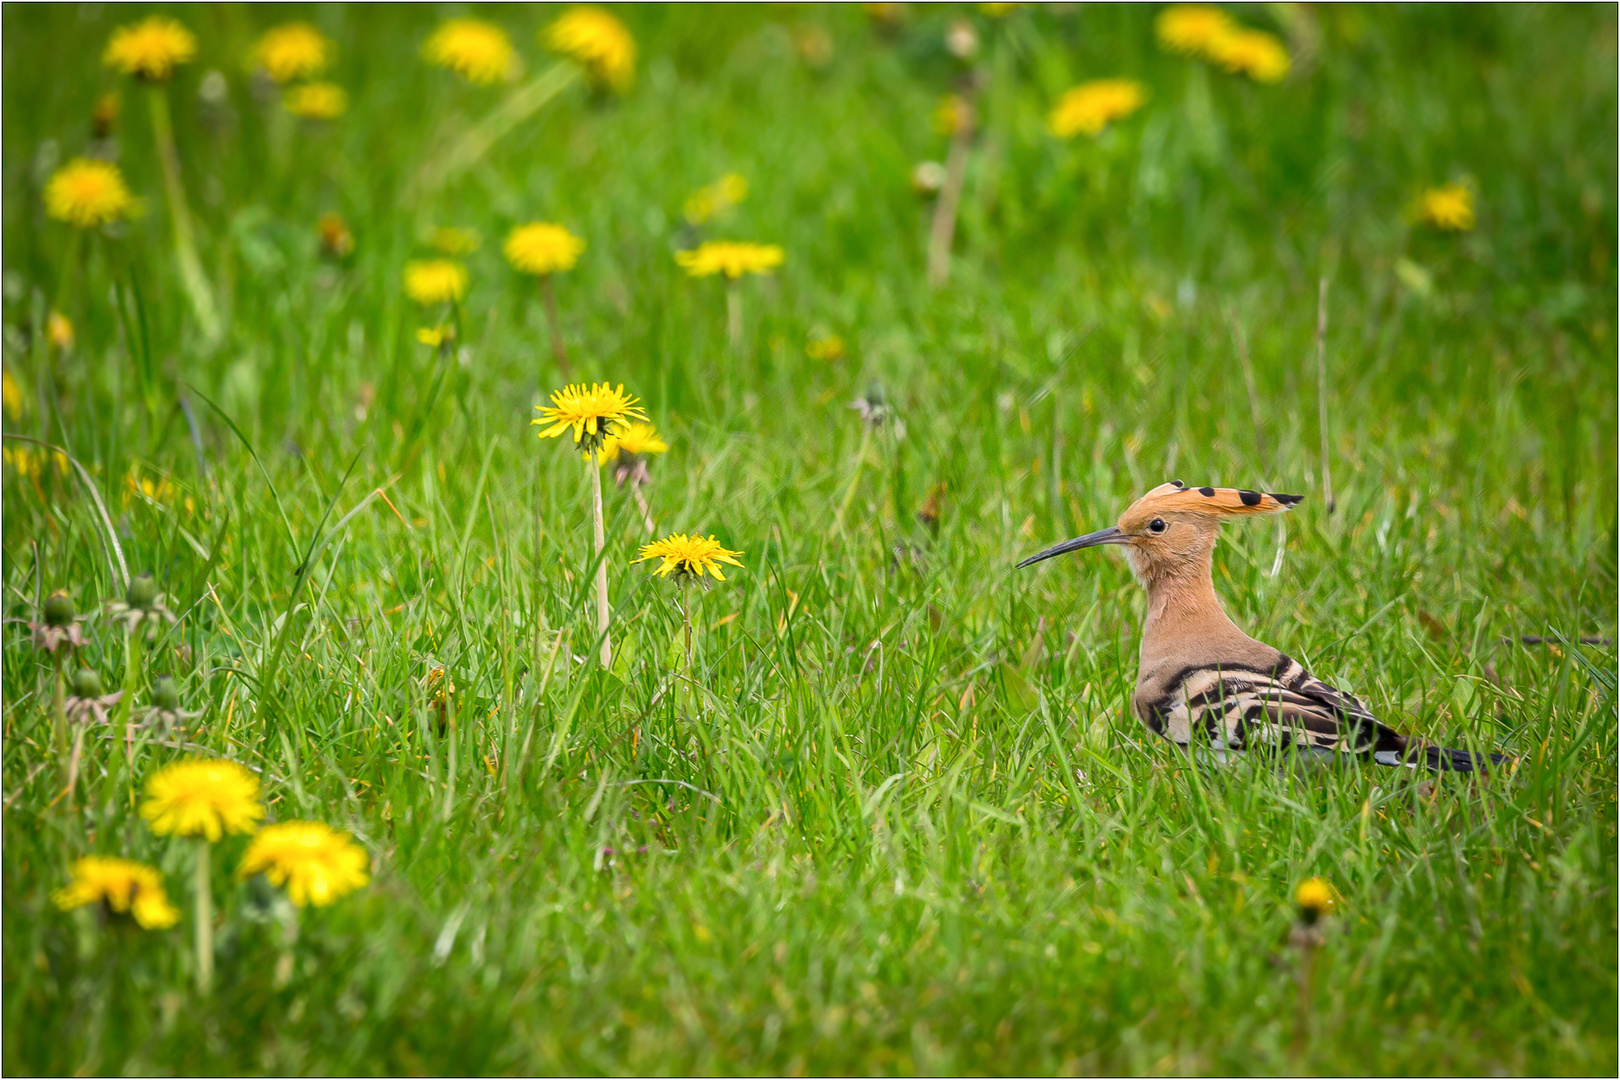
<point x="1236" y="708"/>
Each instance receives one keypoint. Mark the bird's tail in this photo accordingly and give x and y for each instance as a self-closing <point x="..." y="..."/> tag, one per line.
<point x="1445" y="759"/>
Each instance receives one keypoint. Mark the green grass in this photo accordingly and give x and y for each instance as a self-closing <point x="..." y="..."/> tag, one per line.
<point x="906" y="822"/>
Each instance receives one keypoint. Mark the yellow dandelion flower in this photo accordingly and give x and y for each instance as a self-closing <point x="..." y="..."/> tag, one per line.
<point x="593" y="413"/>
<point x="1315" y="898"/>
<point x="435" y="281"/>
<point x="826" y="348"/>
<point x="542" y="248"/>
<point x="599" y="42"/>
<point x="478" y="51"/>
<point x="151" y="49"/>
<point x="1449" y="207"/>
<point x="454" y="241"/>
<point x="688" y="556"/>
<point x="315" y="863"/>
<point x="126" y="887"/>
<point x="1254" y="53"/>
<point x="316" y="101"/>
<point x="1190" y="28"/>
<point x="1092" y="106"/>
<point x="731" y="258"/>
<point x="29" y="463"/>
<point x="202" y="797"/>
<point x="293" y="51"/>
<point x="86" y="193"/>
<point x="10" y="396"/>
<point x="638" y="440"/>
<point x="434" y="336"/>
<point x="59" y="331"/>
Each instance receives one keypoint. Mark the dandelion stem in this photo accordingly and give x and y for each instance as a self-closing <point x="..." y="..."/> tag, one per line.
<point x="59" y="718"/>
<point x="641" y="504"/>
<point x="132" y="667"/>
<point x="734" y="319"/>
<point x="70" y="271"/>
<point x="1321" y="390"/>
<point x="205" y="919"/>
<point x="854" y="477"/>
<point x="559" y="350"/>
<point x="185" y="243"/>
<point x="601" y="562"/>
<point x="943" y="231"/>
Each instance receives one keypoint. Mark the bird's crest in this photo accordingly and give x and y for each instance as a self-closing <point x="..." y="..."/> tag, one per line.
<point x="1215" y="502"/>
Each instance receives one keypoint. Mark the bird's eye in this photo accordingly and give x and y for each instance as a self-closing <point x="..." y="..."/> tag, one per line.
<point x="1157" y="525"/>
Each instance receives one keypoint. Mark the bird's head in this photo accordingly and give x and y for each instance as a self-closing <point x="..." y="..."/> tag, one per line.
<point x="1172" y="527"/>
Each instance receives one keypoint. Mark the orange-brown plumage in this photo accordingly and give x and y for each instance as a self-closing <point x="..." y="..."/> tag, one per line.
<point x="1201" y="677"/>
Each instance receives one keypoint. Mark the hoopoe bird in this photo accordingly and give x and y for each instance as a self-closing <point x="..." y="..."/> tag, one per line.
<point x="1201" y="677"/>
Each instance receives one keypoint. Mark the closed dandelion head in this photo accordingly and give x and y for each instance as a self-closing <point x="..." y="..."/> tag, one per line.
<point x="592" y="413"/>
<point x="542" y="248"/>
<point x="337" y="242"/>
<point x="875" y="408"/>
<point x="1449" y="207"/>
<point x="104" y="114"/>
<point x="1190" y="29"/>
<point x="206" y="797"/>
<point x="87" y="193"/>
<point x="142" y="605"/>
<point x="729" y="258"/>
<point x="291" y="52"/>
<point x="314" y="862"/>
<point x="88" y="700"/>
<point x="478" y="51"/>
<point x="1092" y="106"/>
<point x="58" y="626"/>
<point x="164" y="710"/>
<point x="151" y="49"/>
<point x="599" y="42"/>
<point x="1254" y="53"/>
<point x="1314" y="898"/>
<point x="953" y="115"/>
<point x="123" y="887"/>
<point x="316" y="101"/>
<point x="688" y="557"/>
<point x="435" y="281"/>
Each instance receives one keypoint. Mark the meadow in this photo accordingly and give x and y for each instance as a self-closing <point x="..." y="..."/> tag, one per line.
<point x="891" y="813"/>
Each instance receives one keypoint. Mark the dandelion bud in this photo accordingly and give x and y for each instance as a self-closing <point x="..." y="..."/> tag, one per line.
<point x="142" y="592"/>
<point x="58" y="609"/>
<point x="87" y="684"/>
<point x="105" y="115"/>
<point x="1315" y="899"/>
<point x="166" y="694"/>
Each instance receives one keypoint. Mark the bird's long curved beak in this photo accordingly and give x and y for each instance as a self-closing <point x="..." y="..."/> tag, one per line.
<point x="1111" y="535"/>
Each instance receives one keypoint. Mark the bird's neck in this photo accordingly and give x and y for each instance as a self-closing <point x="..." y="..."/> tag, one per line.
<point x="1182" y="606"/>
